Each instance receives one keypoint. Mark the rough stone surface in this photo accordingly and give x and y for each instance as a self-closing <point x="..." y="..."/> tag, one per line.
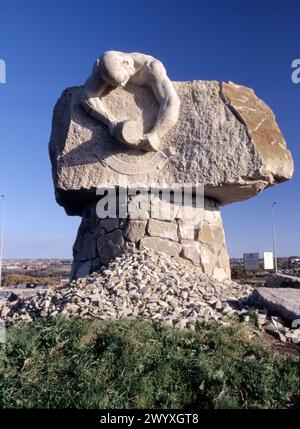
<point x="109" y="224"/>
<point x="142" y="284"/>
<point x="191" y="251"/>
<point x="284" y="302"/>
<point x="82" y="269"/>
<point x="88" y="247"/>
<point x="151" y="286"/>
<point x="219" y="135"/>
<point x="206" y="248"/>
<point x="262" y="128"/>
<point x="225" y="138"/>
<point x="186" y="231"/>
<point x="135" y="230"/>
<point x="110" y="246"/>
<point x="161" y="245"/>
<point x="158" y="228"/>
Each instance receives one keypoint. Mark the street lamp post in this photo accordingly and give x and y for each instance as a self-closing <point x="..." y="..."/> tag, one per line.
<point x="2" y="235"/>
<point x="274" y="237"/>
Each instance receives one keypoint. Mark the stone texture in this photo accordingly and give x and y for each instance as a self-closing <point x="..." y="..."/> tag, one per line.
<point x="207" y="260"/>
<point x="81" y="270"/>
<point x="158" y="228"/>
<point x="162" y="209"/>
<point x="225" y="138"/>
<point x="284" y="302"/>
<point x="191" y="251"/>
<point x="205" y="234"/>
<point x="88" y="247"/>
<point x="161" y="245"/>
<point x="186" y="231"/>
<point x="135" y="230"/>
<point x="150" y="286"/>
<point x="262" y="128"/>
<point x="205" y="246"/>
<point x="110" y="246"/>
<point x="142" y="284"/>
<point x="109" y="224"/>
<point x="219" y="274"/>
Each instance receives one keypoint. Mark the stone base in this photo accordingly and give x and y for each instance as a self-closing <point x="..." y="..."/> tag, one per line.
<point x="101" y="240"/>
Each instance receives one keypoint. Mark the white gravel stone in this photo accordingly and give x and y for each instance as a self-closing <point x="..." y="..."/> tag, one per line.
<point x="145" y="285"/>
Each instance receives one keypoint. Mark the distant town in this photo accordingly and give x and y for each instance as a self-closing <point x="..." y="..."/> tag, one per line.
<point x="31" y="273"/>
<point x="42" y="273"/>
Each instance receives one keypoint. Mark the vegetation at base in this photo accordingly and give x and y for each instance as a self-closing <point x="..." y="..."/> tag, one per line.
<point x="140" y="364"/>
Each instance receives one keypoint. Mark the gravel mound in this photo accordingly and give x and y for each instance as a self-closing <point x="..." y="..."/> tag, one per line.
<point x="143" y="284"/>
<point x="151" y="286"/>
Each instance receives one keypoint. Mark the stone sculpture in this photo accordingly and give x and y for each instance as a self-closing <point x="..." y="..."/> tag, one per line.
<point x="126" y="124"/>
<point x="115" y="69"/>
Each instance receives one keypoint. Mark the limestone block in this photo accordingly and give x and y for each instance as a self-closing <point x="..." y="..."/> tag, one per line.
<point x="161" y="245"/>
<point x="207" y="260"/>
<point x="110" y="246"/>
<point x="88" y="247"/>
<point x="158" y="228"/>
<point x="81" y="270"/>
<point x="225" y="137"/>
<point x="191" y="251"/>
<point x="284" y="302"/>
<point x="205" y="234"/>
<point x="109" y="224"/>
<point x="135" y="230"/>
<point x="219" y="274"/>
<point x="186" y="231"/>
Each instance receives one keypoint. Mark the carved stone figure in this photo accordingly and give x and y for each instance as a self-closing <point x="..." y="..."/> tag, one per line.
<point x="114" y="69"/>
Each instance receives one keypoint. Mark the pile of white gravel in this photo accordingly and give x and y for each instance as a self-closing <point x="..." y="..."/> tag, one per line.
<point x="142" y="284"/>
<point x="151" y="286"/>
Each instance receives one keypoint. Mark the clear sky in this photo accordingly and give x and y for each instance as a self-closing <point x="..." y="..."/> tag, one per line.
<point x="49" y="45"/>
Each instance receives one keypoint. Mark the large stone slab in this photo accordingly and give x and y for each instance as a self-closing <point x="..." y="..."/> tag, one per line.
<point x="284" y="302"/>
<point x="226" y="138"/>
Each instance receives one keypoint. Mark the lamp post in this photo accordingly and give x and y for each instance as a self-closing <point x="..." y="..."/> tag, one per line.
<point x="274" y="237"/>
<point x="2" y="235"/>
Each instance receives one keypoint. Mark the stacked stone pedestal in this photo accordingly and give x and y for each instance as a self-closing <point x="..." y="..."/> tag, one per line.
<point x="203" y="244"/>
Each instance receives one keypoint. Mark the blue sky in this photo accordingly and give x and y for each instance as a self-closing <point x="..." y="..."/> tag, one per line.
<point x="48" y="46"/>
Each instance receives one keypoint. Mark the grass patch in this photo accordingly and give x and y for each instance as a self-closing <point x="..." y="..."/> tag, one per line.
<point x="140" y="364"/>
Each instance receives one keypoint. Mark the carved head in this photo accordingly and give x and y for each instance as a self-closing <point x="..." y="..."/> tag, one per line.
<point x="116" y="67"/>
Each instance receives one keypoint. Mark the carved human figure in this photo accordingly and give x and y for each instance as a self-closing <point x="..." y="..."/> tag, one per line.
<point x="114" y="69"/>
